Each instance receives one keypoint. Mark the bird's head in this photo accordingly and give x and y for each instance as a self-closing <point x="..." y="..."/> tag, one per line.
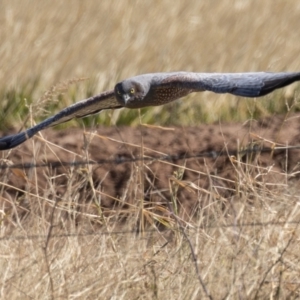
<point x="130" y="93"/>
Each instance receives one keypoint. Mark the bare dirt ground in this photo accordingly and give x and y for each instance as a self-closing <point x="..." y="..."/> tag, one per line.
<point x="121" y="184"/>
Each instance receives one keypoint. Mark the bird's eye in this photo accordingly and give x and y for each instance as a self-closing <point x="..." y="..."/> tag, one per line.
<point x="119" y="93"/>
<point x="132" y="91"/>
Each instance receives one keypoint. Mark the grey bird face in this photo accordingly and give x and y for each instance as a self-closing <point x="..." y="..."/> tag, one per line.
<point x="130" y="93"/>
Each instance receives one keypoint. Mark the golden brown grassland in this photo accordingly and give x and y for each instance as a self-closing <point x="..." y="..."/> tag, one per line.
<point x="74" y="49"/>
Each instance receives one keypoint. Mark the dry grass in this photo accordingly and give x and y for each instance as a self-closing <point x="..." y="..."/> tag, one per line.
<point x="247" y="246"/>
<point x="48" y="42"/>
<point x="61" y="246"/>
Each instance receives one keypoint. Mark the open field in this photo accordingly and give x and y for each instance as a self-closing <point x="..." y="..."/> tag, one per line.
<point x="47" y="47"/>
<point x="167" y="208"/>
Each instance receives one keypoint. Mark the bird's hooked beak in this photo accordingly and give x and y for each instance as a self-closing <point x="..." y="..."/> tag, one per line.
<point x="126" y="98"/>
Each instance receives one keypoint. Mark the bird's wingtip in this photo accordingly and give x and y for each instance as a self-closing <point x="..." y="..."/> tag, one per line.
<point x="12" y="141"/>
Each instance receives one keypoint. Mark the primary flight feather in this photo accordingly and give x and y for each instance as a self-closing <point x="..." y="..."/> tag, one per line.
<point x="160" y="88"/>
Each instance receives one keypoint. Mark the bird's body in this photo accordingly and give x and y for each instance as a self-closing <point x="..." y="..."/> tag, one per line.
<point x="155" y="89"/>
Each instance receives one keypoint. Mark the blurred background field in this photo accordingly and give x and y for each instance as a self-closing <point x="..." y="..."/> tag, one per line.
<point x="48" y="46"/>
<point x="222" y="227"/>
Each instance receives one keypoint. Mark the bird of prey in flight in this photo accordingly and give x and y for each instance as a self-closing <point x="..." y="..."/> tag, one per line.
<point x="158" y="89"/>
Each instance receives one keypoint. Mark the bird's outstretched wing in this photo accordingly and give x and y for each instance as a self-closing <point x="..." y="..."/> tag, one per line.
<point x="241" y="84"/>
<point x="163" y="88"/>
<point x="105" y="100"/>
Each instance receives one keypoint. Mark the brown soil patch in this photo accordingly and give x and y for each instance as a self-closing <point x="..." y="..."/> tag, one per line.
<point x="122" y="184"/>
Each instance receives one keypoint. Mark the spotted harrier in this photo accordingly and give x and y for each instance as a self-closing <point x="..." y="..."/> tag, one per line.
<point x="158" y="89"/>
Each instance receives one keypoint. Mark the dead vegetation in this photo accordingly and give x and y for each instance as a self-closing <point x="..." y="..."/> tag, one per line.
<point x="51" y="44"/>
<point x="182" y="227"/>
<point x="188" y="228"/>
